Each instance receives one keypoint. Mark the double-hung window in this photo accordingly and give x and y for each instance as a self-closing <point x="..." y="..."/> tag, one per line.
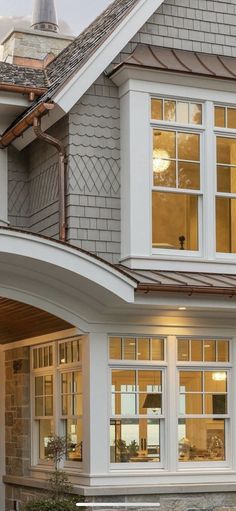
<point x="176" y="174"/>
<point x="137" y="400"/>
<point x="204" y="415"/>
<point x="57" y="397"/>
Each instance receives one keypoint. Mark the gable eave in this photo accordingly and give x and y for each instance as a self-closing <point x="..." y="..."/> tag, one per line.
<point x="77" y="84"/>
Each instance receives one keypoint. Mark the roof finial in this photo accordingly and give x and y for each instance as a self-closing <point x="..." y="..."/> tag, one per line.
<point x="45" y="16"/>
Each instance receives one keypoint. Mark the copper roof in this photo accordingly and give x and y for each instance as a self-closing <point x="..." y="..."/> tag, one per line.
<point x="183" y="282"/>
<point x="181" y="61"/>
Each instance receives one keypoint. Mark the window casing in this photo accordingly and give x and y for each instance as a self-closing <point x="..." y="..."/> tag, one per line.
<point x="56" y="376"/>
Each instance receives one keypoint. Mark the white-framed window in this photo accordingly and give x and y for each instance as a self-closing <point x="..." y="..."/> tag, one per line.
<point x="56" y="376"/>
<point x="177" y="185"/>
<point x="203" y="368"/>
<point x="173" y="412"/>
<point x="137" y="417"/>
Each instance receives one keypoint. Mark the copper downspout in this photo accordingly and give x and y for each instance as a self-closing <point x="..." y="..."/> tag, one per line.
<point x="61" y="173"/>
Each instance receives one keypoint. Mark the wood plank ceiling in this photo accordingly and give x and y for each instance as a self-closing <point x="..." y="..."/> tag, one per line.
<point x="20" y="321"/>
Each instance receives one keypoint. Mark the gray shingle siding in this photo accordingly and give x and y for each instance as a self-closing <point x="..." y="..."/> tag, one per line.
<point x="196" y="25"/>
<point x="18" y="189"/>
<point x="93" y="207"/>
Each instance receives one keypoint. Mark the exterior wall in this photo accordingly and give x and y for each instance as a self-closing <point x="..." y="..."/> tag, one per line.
<point x="17" y="412"/>
<point x="94" y="171"/>
<point x="43" y="183"/>
<point x="18" y="189"/>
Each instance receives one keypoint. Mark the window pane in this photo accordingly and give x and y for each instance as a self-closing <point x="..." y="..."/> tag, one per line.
<point x="170" y="111"/>
<point x="35" y="358"/>
<point x="45" y="432"/>
<point x="150" y="381"/>
<point x="189" y="175"/>
<point x="190" y="381"/>
<point x="195" y="113"/>
<point x="143" y="349"/>
<point x="220" y="117"/>
<point x="157" y="107"/>
<point x="39" y="411"/>
<point x="231" y="118"/>
<point x="190" y="404"/>
<point x="129" y="349"/>
<point x="128" y="404"/>
<point x="164" y="171"/>
<point x="75" y="351"/>
<point x="48" y="385"/>
<point x="183" y="350"/>
<point x="48" y="406"/>
<point x="68" y="353"/>
<point x="215" y="404"/>
<point x="50" y="356"/>
<point x="188" y="146"/>
<point x="62" y="353"/>
<point x="225" y="225"/>
<point x="223" y="351"/>
<point x="226" y="179"/>
<point x="157" y="346"/>
<point x="209" y="351"/>
<point x="226" y="150"/>
<point x="115" y="348"/>
<point x="134" y="440"/>
<point x="175" y="216"/>
<point x="39" y="386"/>
<point x="164" y="143"/>
<point x="215" y="381"/>
<point x="201" y="440"/>
<point x="123" y="381"/>
<point x="196" y="350"/>
<point x="77" y="405"/>
<point x="182" y="112"/>
<point x="73" y="431"/>
<point x="150" y="404"/>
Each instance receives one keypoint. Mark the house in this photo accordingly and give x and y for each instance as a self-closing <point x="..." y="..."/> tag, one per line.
<point x="118" y="252"/>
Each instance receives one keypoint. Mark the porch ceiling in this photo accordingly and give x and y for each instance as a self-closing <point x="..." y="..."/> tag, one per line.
<point x="21" y="321"/>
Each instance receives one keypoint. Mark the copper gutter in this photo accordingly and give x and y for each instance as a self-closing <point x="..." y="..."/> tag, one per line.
<point x="61" y="173"/>
<point x="24" y="124"/>
<point x="190" y="290"/>
<point x="36" y="91"/>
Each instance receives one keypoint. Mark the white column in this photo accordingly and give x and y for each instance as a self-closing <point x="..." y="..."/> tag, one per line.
<point x="135" y="174"/>
<point x="172" y="406"/>
<point x="3" y="187"/>
<point x="96" y="404"/>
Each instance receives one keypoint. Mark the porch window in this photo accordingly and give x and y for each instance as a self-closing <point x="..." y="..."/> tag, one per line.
<point x="57" y="395"/>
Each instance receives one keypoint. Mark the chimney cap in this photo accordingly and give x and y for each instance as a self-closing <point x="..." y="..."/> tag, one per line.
<point x="45" y="16"/>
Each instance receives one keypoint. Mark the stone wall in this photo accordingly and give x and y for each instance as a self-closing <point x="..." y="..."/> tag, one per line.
<point x="17" y="411"/>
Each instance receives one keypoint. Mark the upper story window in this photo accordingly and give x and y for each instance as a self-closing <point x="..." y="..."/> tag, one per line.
<point x="177" y="183"/>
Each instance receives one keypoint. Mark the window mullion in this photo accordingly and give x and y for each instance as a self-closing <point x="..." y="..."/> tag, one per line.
<point x="209" y="182"/>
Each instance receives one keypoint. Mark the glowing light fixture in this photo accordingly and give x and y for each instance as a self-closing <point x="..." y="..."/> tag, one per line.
<point x="182" y="308"/>
<point x="161" y="162"/>
<point x="219" y="376"/>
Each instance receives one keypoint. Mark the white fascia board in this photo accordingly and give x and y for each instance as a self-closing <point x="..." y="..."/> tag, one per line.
<point x="14" y="99"/>
<point x="72" y="91"/>
<point x="66" y="258"/>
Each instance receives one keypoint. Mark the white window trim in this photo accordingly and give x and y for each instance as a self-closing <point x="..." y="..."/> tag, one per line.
<point x="135" y="97"/>
<point x="56" y="370"/>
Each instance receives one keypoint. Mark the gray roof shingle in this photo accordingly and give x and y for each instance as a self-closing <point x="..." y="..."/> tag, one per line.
<point x="10" y="74"/>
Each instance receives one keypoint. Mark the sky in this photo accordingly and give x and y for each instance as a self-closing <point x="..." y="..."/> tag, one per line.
<point x="75" y="13"/>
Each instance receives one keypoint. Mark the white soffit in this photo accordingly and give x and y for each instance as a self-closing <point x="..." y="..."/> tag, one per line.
<point x="79" y="83"/>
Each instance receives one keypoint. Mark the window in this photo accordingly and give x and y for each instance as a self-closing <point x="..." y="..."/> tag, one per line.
<point x="203" y="400"/>
<point x="176" y="191"/>
<point x="57" y="394"/>
<point x="137" y="403"/>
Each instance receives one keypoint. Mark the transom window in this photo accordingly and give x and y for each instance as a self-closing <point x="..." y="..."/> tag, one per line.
<point x="132" y="348"/>
<point x="207" y="350"/>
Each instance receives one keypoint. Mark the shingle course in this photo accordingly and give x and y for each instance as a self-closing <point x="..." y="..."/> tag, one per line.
<point x="10" y="74"/>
